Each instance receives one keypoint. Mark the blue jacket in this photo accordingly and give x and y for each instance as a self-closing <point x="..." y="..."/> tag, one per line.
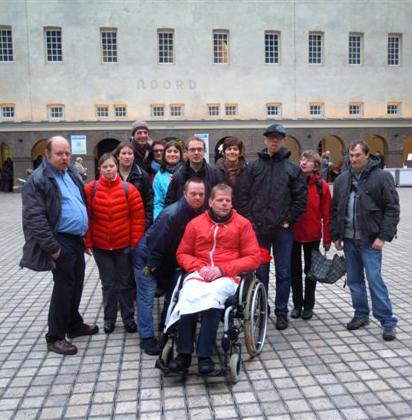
<point x="160" y="185"/>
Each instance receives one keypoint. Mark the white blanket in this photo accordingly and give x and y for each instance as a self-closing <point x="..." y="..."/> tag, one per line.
<point x="197" y="295"/>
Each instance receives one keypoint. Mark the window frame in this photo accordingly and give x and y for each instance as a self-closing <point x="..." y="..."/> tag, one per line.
<point x="7" y="105"/>
<point x="48" y="57"/>
<point x="9" y="49"/>
<point x="321" y="106"/>
<point x="351" y="48"/>
<point x="182" y="108"/>
<point x="101" y="107"/>
<point x="51" y="107"/>
<point x="398" y="108"/>
<point x="276" y="57"/>
<point x="319" y="53"/>
<point x="275" y="105"/>
<point x="217" y="50"/>
<point x="154" y="110"/>
<point x="355" y="104"/>
<point x="109" y="50"/>
<point x="391" y="53"/>
<point x="231" y="106"/>
<point x="165" y="31"/>
<point x="117" y="107"/>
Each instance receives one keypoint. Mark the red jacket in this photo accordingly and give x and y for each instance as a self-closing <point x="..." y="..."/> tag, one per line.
<point x="314" y="222"/>
<point x="231" y="245"/>
<point x="114" y="221"/>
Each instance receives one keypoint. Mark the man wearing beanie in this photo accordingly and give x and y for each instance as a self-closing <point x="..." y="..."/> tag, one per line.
<point x="272" y="195"/>
<point x="141" y="145"/>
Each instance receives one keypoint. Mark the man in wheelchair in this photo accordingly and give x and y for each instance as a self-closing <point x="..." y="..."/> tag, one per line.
<point x="216" y="247"/>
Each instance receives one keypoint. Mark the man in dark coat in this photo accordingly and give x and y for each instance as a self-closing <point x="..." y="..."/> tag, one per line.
<point x="195" y="166"/>
<point x="365" y="215"/>
<point x="155" y="258"/>
<point x="142" y="145"/>
<point x="54" y="224"/>
<point x="272" y="195"/>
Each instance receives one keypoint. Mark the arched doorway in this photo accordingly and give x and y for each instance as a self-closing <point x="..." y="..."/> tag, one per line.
<point x="335" y="145"/>
<point x="219" y="148"/>
<point x="104" y="146"/>
<point x="4" y="153"/>
<point x="407" y="151"/>
<point x="37" y="152"/>
<point x="294" y="147"/>
<point x="376" y="144"/>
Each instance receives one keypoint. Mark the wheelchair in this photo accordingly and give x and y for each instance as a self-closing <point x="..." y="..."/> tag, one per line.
<point x="246" y="312"/>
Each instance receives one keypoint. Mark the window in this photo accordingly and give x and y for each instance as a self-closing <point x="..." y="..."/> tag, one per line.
<point x="109" y="45"/>
<point x="54" y="45"/>
<point x="213" y="110"/>
<point x="315" y="48"/>
<point x="102" y="111"/>
<point x="7" y="111"/>
<point x="394" y="109"/>
<point x="6" y="44"/>
<point x="176" y="110"/>
<point x="55" y="112"/>
<point x="166" y="55"/>
<point x="230" y="110"/>
<point x="394" y="48"/>
<point x="120" y="111"/>
<point x="355" y="45"/>
<point x="271" y="47"/>
<point x="316" y="110"/>
<point x="221" y="47"/>
<point x="273" y="110"/>
<point x="355" y="110"/>
<point x="158" y="111"/>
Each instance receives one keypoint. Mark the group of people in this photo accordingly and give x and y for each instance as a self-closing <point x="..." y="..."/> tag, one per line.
<point x="156" y="207"/>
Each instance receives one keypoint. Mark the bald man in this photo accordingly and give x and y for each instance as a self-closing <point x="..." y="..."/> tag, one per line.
<point x="54" y="224"/>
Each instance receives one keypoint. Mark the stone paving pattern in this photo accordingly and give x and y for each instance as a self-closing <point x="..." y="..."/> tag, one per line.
<point x="313" y="370"/>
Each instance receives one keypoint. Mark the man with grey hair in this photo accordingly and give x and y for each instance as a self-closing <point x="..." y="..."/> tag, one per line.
<point x="54" y="224"/>
<point x="195" y="167"/>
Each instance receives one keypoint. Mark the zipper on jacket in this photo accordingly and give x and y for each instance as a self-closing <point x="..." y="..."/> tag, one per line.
<point x="214" y="245"/>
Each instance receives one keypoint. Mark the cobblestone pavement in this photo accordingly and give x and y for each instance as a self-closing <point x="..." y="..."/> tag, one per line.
<point x="314" y="369"/>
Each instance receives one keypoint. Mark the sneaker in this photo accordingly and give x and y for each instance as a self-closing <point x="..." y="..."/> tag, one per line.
<point x="150" y="346"/>
<point x="181" y="363"/>
<point x="130" y="326"/>
<point x="357" y="323"/>
<point x="296" y="313"/>
<point x="281" y="321"/>
<point x="307" y="314"/>
<point x="85" y="329"/>
<point x="389" y="333"/>
<point x="108" y="327"/>
<point x="205" y="365"/>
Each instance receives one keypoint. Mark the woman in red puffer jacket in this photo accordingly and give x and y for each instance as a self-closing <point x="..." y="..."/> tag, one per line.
<point x="312" y="225"/>
<point x="116" y="224"/>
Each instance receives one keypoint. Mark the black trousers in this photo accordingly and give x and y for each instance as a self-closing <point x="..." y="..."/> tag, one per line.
<point x="186" y="329"/>
<point x="68" y="278"/>
<point x="115" y="272"/>
<point x="307" y="300"/>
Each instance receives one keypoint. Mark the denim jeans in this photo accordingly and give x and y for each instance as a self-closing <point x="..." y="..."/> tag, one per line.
<point x="361" y="258"/>
<point x="145" y="292"/>
<point x="281" y="243"/>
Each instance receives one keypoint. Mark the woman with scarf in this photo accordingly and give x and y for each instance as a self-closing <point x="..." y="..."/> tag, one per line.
<point x="172" y="158"/>
<point x="233" y="163"/>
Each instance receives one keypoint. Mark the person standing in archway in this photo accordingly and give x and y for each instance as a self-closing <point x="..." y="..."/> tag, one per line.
<point x="325" y="165"/>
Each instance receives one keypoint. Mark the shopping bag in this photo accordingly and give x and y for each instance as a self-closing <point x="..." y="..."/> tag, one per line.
<point x="325" y="270"/>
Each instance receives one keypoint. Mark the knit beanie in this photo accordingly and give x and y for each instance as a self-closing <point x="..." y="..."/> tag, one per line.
<point x="139" y="125"/>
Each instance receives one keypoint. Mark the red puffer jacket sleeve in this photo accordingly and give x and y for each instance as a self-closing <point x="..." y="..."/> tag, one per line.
<point x="137" y="215"/>
<point x="88" y="243"/>
<point x="185" y="255"/>
<point x="326" y="203"/>
<point x="249" y="252"/>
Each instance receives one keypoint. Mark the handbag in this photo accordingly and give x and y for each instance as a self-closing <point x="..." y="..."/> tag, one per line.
<point x="325" y="270"/>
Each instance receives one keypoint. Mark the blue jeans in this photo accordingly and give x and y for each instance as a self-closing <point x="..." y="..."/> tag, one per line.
<point x="361" y="258"/>
<point x="145" y="292"/>
<point x="281" y="243"/>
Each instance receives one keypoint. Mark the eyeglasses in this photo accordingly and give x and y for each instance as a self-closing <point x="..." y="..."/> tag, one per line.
<point x="196" y="149"/>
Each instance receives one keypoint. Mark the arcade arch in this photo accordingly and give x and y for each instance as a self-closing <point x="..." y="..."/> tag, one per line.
<point x="4" y="153"/>
<point x="376" y="144"/>
<point x="294" y="147"/>
<point x="37" y="152"/>
<point x="104" y="146"/>
<point x="335" y="145"/>
<point x="407" y="149"/>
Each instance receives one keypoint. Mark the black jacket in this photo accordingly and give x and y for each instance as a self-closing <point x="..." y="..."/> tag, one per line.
<point x="210" y="175"/>
<point x="377" y="204"/>
<point x="163" y="237"/>
<point x="141" y="180"/>
<point x="41" y="216"/>
<point x="271" y="191"/>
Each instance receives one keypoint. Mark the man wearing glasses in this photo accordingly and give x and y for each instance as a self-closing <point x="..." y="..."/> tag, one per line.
<point x="195" y="167"/>
<point x="272" y="195"/>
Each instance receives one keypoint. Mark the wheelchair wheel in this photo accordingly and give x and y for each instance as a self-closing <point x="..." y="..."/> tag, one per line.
<point x="234" y="368"/>
<point x="256" y="317"/>
<point x="167" y="353"/>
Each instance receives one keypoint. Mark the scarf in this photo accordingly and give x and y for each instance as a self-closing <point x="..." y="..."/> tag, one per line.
<point x="219" y="219"/>
<point x="231" y="169"/>
<point x="170" y="168"/>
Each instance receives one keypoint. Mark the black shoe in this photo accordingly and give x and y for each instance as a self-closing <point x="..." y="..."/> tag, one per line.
<point x="357" y="323"/>
<point x="205" y="365"/>
<point x="281" y="321"/>
<point x="62" y="347"/>
<point x="296" y="313"/>
<point x="85" y="329"/>
<point x="307" y="314"/>
<point x="130" y="326"/>
<point x="181" y="363"/>
<point x="150" y="346"/>
<point x="108" y="327"/>
<point x="389" y="333"/>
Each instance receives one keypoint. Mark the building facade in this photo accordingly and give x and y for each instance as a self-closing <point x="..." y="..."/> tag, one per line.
<point x="331" y="71"/>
